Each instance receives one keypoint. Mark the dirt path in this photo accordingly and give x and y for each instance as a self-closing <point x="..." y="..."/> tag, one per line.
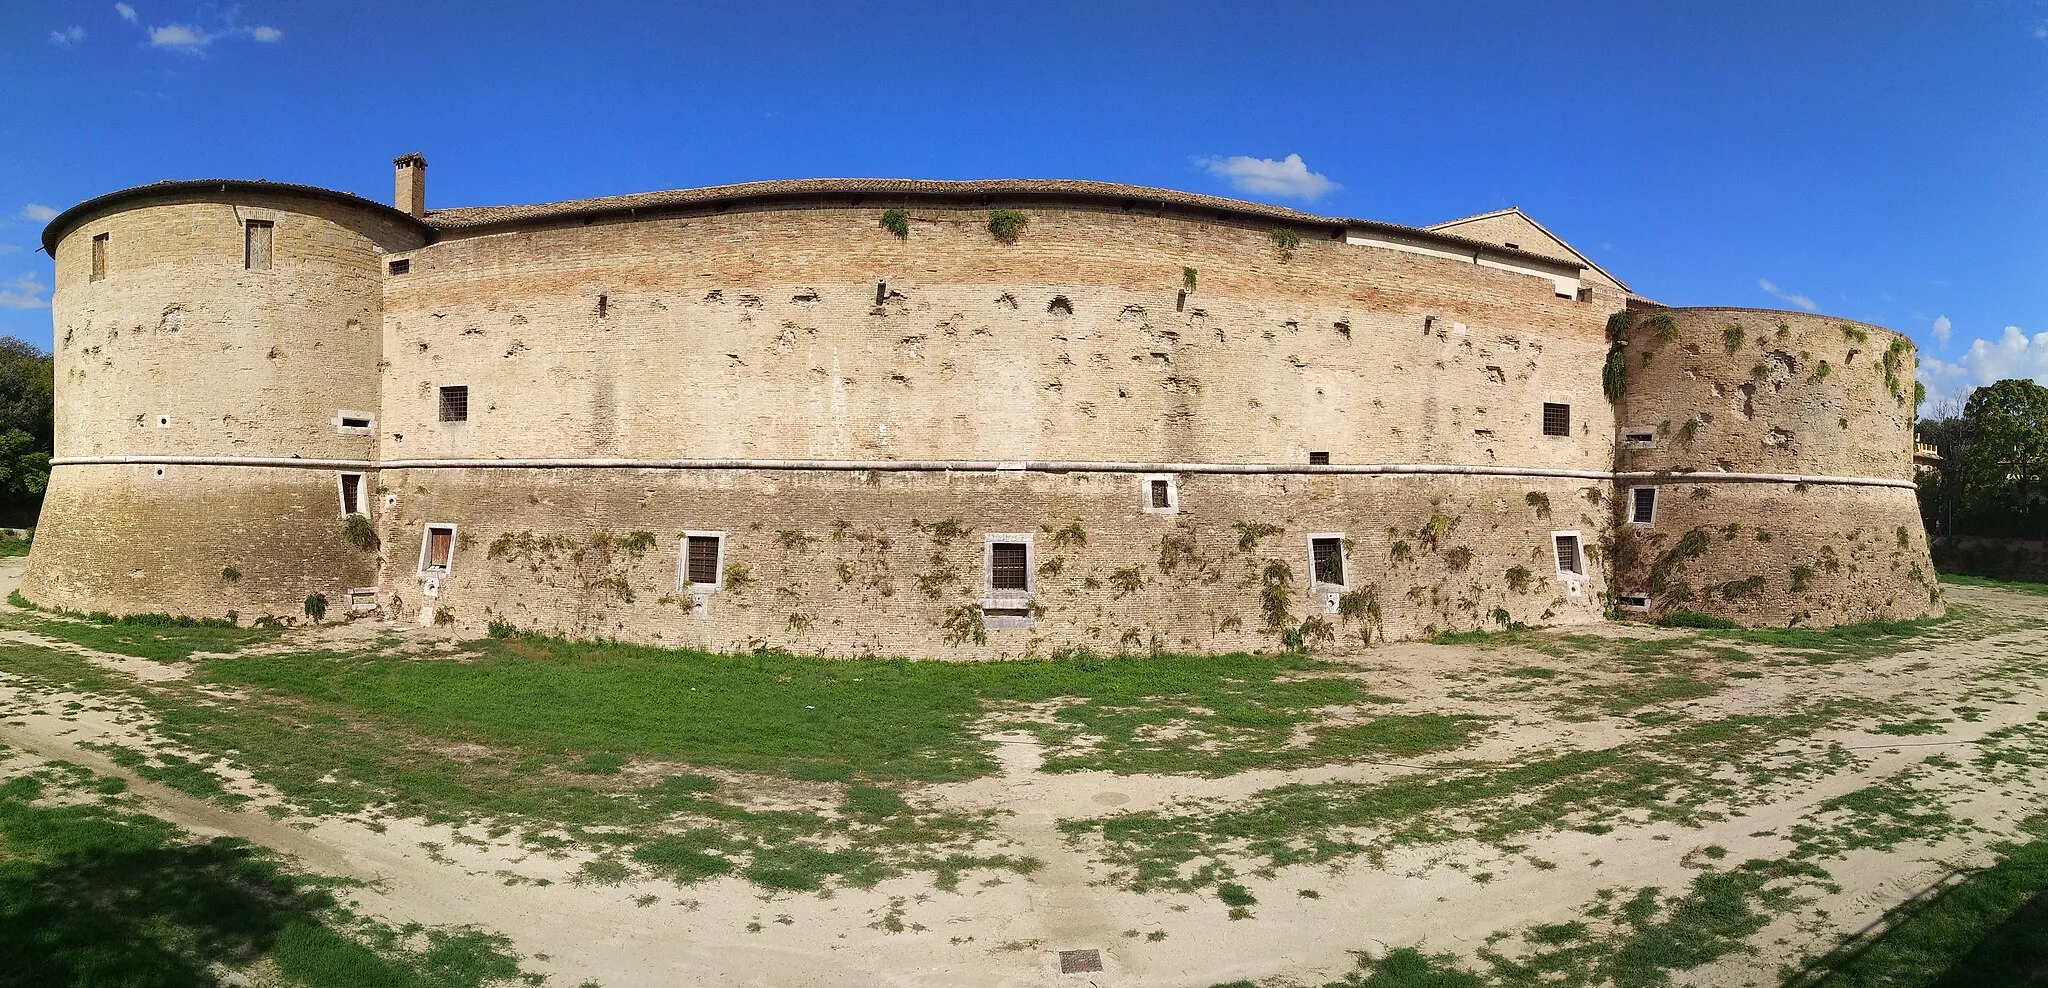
<point x="1003" y="930"/>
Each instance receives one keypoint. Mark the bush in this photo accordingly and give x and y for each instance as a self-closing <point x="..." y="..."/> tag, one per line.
<point x="360" y="533"/>
<point x="316" y="606"/>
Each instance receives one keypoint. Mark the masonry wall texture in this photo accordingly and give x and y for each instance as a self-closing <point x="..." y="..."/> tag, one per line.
<point x="859" y="413"/>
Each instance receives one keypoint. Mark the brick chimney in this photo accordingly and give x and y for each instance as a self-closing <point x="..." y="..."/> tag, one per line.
<point x="411" y="196"/>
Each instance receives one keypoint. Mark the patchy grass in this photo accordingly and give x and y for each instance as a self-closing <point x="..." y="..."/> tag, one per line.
<point x="1990" y="928"/>
<point x="92" y="892"/>
<point x="18" y="547"/>
<point x="150" y="636"/>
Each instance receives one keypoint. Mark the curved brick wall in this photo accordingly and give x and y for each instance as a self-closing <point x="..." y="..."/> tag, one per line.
<point x="1753" y="391"/>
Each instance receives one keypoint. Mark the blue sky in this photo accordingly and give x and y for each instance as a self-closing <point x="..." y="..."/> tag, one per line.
<point x="1880" y="161"/>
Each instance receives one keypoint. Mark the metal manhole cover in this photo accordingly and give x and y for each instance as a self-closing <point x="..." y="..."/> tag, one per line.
<point x="1078" y="961"/>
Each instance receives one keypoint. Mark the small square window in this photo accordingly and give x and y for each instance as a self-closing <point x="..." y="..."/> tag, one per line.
<point x="1319" y="458"/>
<point x="99" y="257"/>
<point x="1642" y="505"/>
<point x="455" y="403"/>
<point x="1159" y="494"/>
<point x="1569" y="562"/>
<point x="1557" y="419"/>
<point x="353" y="501"/>
<point x="703" y="560"/>
<point x="257" y="237"/>
<point x="1326" y="559"/>
<point x="437" y="549"/>
<point x="401" y="266"/>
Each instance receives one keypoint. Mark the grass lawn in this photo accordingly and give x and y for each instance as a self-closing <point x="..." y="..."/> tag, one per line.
<point x="95" y="893"/>
<point x="1979" y="581"/>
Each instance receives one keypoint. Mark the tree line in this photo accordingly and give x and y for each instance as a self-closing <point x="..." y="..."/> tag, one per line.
<point x="27" y="426"/>
<point x="1993" y="457"/>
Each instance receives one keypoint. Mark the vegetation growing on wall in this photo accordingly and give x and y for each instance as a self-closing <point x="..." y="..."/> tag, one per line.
<point x="1249" y="534"/>
<point x="360" y="533"/>
<point x="1434" y="531"/>
<point x="1618" y="324"/>
<point x="1286" y="242"/>
<point x="1662" y="326"/>
<point x="1006" y="225"/>
<point x="1732" y="337"/>
<point x="897" y="221"/>
<point x="1363" y="606"/>
<point x="1187" y="278"/>
<point x="1614" y="376"/>
<point x="1540" y="501"/>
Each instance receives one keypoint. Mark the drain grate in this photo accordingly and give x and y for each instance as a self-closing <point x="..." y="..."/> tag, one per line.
<point x="1079" y="961"/>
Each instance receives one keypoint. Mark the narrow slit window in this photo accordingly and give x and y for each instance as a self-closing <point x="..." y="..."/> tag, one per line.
<point x="1557" y="419"/>
<point x="702" y="552"/>
<point x="257" y="237"/>
<point x="1568" y="561"/>
<point x="455" y="403"/>
<point x="437" y="550"/>
<point x="1162" y="494"/>
<point x="1009" y="566"/>
<point x="1642" y="507"/>
<point x="99" y="257"/>
<point x="352" y="502"/>
<point x="1634" y="601"/>
<point x="1319" y="458"/>
<point x="1326" y="559"/>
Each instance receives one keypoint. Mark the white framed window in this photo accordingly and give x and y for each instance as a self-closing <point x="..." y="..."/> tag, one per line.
<point x="1571" y="557"/>
<point x="1326" y="563"/>
<point x="1009" y="578"/>
<point x="701" y="562"/>
<point x="349" y="422"/>
<point x="1159" y="494"/>
<point x="355" y="498"/>
<point x="1638" y="437"/>
<point x="1642" y="505"/>
<point x="437" y="549"/>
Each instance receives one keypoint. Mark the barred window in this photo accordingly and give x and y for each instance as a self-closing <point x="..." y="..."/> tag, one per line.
<point x="1557" y="419"/>
<point x="1161" y="495"/>
<point x="401" y="266"/>
<point x="1568" y="562"/>
<point x="1642" y="505"/>
<point x="455" y="403"/>
<point x="1009" y="566"/>
<point x="1326" y="559"/>
<point x="1319" y="458"/>
<point x="352" y="502"/>
<point x="700" y="559"/>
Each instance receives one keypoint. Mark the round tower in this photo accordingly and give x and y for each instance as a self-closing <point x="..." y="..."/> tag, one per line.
<point x="1764" y="468"/>
<point x="216" y="354"/>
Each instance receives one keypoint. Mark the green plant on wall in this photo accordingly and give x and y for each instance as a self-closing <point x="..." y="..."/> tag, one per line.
<point x="1854" y="335"/>
<point x="1434" y="531"/>
<point x="316" y="606"/>
<point x="1614" y="377"/>
<point x="1540" y="501"/>
<point x="1519" y="578"/>
<point x="1006" y="225"/>
<point x="1663" y="326"/>
<point x="360" y="533"/>
<point x="897" y="221"/>
<point x="1286" y="242"/>
<point x="1127" y="580"/>
<point x="1732" y="337"/>
<point x="963" y="624"/>
<point x="1274" y="582"/>
<point x="229" y="574"/>
<point x="1069" y="536"/>
<point x="1187" y="278"/>
<point x="1363" y="606"/>
<point x="1250" y="532"/>
<point x="1618" y="324"/>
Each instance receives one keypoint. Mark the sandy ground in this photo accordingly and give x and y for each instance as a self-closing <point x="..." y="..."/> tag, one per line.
<point x="1000" y="929"/>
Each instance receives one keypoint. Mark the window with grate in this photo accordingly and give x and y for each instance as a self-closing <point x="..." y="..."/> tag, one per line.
<point x="700" y="559"/>
<point x="1326" y="555"/>
<point x="352" y="495"/>
<point x="1557" y="419"/>
<point x="401" y="266"/>
<point x="1008" y="566"/>
<point x="437" y="550"/>
<point x="1568" y="554"/>
<point x="257" y="236"/>
<point x="1319" y="458"/>
<point x="455" y="403"/>
<point x="1642" y="505"/>
<point x="99" y="257"/>
<point x="1161" y="494"/>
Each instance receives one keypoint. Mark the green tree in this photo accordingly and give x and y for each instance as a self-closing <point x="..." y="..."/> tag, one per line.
<point x="2008" y="441"/>
<point x="26" y="425"/>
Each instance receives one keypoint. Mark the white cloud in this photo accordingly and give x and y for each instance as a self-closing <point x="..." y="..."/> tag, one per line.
<point x="25" y="292"/>
<point x="265" y="33"/>
<point x="67" y="38"/>
<point x="179" y="37"/>
<point x="2013" y="355"/>
<point x="10" y="248"/>
<point x="39" y="213"/>
<point x="1263" y="176"/>
<point x="127" y="12"/>
<point x="1942" y="328"/>
<point x="1798" y="300"/>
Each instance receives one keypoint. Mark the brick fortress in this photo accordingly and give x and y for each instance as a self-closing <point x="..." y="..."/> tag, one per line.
<point x="941" y="419"/>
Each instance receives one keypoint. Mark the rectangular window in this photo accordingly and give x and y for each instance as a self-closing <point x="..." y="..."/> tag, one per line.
<point x="455" y="403"/>
<point x="437" y="549"/>
<point x="1009" y="566"/>
<point x="256" y="240"/>
<point x="1642" y="505"/>
<point x="703" y="559"/>
<point x="99" y="257"/>
<point x="1319" y="458"/>
<point x="1160" y="498"/>
<point x="1633" y="438"/>
<point x="1557" y="419"/>
<point x="1568" y="561"/>
<point x="1633" y="601"/>
<point x="1326" y="559"/>
<point x="352" y="501"/>
<point x="401" y="266"/>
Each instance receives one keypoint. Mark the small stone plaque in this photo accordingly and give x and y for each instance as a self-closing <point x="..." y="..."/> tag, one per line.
<point x="1079" y="961"/>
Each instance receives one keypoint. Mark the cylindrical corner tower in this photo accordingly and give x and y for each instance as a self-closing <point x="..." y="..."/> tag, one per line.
<point x="217" y="348"/>
<point x="1764" y="469"/>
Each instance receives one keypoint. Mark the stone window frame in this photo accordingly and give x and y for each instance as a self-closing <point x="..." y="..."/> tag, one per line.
<point x="1172" y="483"/>
<point x="1632" y="601"/>
<point x="1629" y="432"/>
<point x="362" y="506"/>
<point x="1317" y="585"/>
<point x="341" y="417"/>
<point x="1570" y="576"/>
<point x="1008" y="608"/>
<point x="683" y="581"/>
<point x="427" y="541"/>
<point x="1654" y="498"/>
